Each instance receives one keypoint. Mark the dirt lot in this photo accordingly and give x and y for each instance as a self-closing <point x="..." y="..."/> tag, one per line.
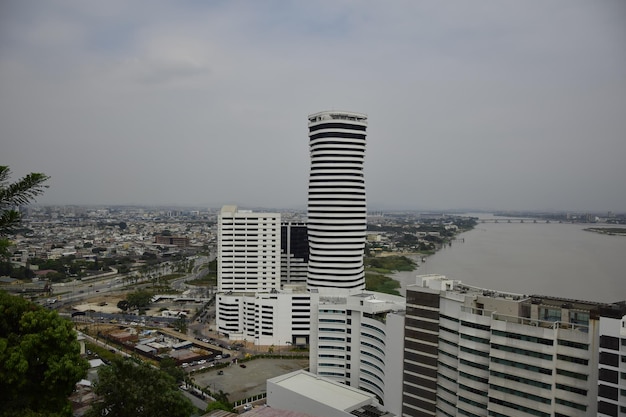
<point x="240" y="383"/>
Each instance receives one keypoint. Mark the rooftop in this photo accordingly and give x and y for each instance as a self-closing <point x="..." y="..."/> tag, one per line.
<point x="333" y="394"/>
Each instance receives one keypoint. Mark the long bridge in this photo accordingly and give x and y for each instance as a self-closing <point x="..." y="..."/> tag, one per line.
<point x="510" y="220"/>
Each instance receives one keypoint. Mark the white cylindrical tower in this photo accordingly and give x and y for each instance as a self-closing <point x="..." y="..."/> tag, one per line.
<point x="337" y="214"/>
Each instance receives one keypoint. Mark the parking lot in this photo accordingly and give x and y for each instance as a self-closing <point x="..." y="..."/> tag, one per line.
<point x="240" y="383"/>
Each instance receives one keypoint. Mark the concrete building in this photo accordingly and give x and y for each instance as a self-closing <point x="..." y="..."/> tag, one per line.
<point x="304" y="392"/>
<point x="248" y="250"/>
<point x="279" y="317"/>
<point x="294" y="253"/>
<point x="355" y="341"/>
<point x="337" y="214"/>
<point x="612" y="369"/>
<point x="478" y="352"/>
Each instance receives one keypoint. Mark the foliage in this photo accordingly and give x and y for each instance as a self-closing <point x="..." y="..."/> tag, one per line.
<point x="130" y="389"/>
<point x="16" y="194"/>
<point x="169" y="366"/>
<point x="139" y="299"/>
<point x="381" y="283"/>
<point x="221" y="402"/>
<point x="391" y="263"/>
<point x="123" y="305"/>
<point x="218" y="405"/>
<point x="180" y="324"/>
<point x="40" y="360"/>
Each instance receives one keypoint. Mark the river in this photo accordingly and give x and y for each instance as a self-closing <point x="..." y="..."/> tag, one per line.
<point x="554" y="259"/>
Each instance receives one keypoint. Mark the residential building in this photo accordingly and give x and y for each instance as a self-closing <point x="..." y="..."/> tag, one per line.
<point x="612" y="366"/>
<point x="179" y="241"/>
<point x="337" y="216"/>
<point x="355" y="341"/>
<point x="478" y="352"/>
<point x="248" y="251"/>
<point x="278" y="317"/>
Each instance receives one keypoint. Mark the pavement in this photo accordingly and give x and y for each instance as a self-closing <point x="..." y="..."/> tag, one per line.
<point x="240" y="383"/>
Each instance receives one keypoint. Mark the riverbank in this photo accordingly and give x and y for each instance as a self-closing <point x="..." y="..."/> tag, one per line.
<point x="388" y="272"/>
<point x="611" y="231"/>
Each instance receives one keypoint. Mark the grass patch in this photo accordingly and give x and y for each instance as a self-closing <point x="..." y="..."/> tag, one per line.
<point x="386" y="264"/>
<point x="381" y="283"/>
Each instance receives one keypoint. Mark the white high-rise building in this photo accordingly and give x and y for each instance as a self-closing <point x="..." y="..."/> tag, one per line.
<point x="356" y="340"/>
<point x="248" y="251"/>
<point x="279" y="318"/>
<point x="337" y="214"/>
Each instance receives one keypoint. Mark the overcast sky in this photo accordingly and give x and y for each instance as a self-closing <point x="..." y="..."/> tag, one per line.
<point x="471" y="104"/>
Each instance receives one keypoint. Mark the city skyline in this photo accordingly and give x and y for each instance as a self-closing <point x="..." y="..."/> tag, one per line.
<point x="485" y="105"/>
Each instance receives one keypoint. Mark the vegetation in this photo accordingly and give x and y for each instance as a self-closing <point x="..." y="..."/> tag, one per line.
<point x="139" y="299"/>
<point x="390" y="263"/>
<point x="608" y="230"/>
<point x="40" y="360"/>
<point x="375" y="281"/>
<point x="377" y="268"/>
<point x="180" y="325"/>
<point x="221" y="402"/>
<point x="134" y="389"/>
<point x="12" y="195"/>
<point x="169" y="366"/>
<point x="16" y="194"/>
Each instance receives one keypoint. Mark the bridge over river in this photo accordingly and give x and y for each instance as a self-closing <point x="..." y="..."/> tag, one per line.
<point x="516" y="220"/>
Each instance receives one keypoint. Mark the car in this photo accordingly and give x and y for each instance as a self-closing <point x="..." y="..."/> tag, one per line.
<point x="220" y="373"/>
<point x="218" y="357"/>
<point x="202" y="362"/>
<point x="247" y="407"/>
<point x="226" y="355"/>
<point x="243" y="365"/>
<point x="185" y="365"/>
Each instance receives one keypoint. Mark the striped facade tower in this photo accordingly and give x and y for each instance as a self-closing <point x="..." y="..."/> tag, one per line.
<point x="337" y="214"/>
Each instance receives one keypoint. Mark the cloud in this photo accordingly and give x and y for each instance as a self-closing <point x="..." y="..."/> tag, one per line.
<point x="471" y="104"/>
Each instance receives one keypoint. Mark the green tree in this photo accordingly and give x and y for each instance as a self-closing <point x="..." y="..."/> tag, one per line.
<point x="130" y="389"/>
<point x="139" y="299"/>
<point x="169" y="366"/>
<point x="221" y="402"/>
<point x="122" y="305"/>
<point x="16" y="194"/>
<point x="180" y="324"/>
<point x="40" y="360"/>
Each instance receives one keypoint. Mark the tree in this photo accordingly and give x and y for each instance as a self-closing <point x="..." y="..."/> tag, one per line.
<point x="221" y="402"/>
<point x="169" y="366"/>
<point x="139" y="299"/>
<point x="130" y="389"/>
<point x="180" y="324"/>
<point x="40" y="360"/>
<point x="16" y="194"/>
<point x="122" y="305"/>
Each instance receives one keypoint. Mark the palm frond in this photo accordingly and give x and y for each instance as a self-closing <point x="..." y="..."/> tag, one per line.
<point x="23" y="191"/>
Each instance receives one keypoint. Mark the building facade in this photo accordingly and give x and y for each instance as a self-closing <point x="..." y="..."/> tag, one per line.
<point x="337" y="215"/>
<point x="612" y="372"/>
<point x="279" y="317"/>
<point x="294" y="253"/>
<point x="248" y="251"/>
<point x="355" y="340"/>
<point x="478" y="352"/>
